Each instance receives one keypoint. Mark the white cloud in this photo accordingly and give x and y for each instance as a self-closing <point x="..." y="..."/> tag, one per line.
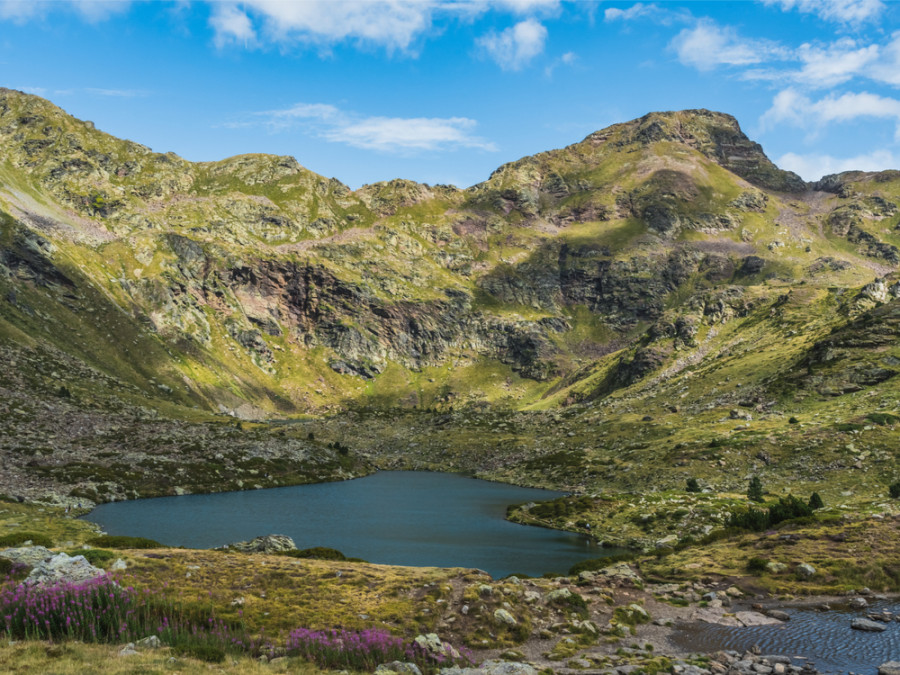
<point x="90" y="10"/>
<point x="887" y="68"/>
<point x="795" y="108"/>
<point x="840" y="11"/>
<point x="232" y="26"/>
<point x="708" y="45"/>
<point x="834" y="64"/>
<point x="385" y="134"/>
<point x="393" y="134"/>
<point x="393" y="24"/>
<point x="516" y="46"/>
<point x="812" y="167"/>
<point x="637" y="11"/>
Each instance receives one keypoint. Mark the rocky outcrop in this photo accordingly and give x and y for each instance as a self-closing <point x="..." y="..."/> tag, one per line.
<point x="270" y="543"/>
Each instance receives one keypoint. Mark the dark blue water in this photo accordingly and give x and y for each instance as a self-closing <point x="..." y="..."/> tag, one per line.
<point x="823" y="638"/>
<point x="393" y="517"/>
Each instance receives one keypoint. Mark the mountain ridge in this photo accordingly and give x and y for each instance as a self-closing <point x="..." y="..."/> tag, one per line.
<point x="624" y="270"/>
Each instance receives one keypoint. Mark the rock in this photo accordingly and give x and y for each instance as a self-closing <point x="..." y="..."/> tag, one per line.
<point x="128" y="650"/>
<point x="531" y="596"/>
<point x="805" y="570"/>
<point x="867" y="625"/>
<point x="667" y="541"/>
<point x="889" y="668"/>
<point x="859" y="603"/>
<point x="504" y="617"/>
<point x="778" y="614"/>
<point x="493" y="667"/>
<point x="149" y="642"/>
<point x="640" y="613"/>
<point x="119" y="565"/>
<point x="775" y="567"/>
<point x="27" y="555"/>
<point x="270" y="543"/>
<point x="559" y="595"/>
<point x="734" y="592"/>
<point x="485" y="590"/>
<point x="63" y="568"/>
<point x="754" y="619"/>
<point x="399" y="667"/>
<point x="622" y="572"/>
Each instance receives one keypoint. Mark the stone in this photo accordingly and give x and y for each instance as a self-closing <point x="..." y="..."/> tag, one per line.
<point x="620" y="571"/>
<point x="27" y="555"/>
<point x="485" y="590"/>
<point x="775" y="567"/>
<point x="559" y="595"/>
<point x="889" y="668"/>
<point x="149" y="642"/>
<point x="734" y="592"/>
<point x="63" y="568"/>
<point x="430" y="642"/>
<point x="778" y="614"/>
<point x="868" y="625"/>
<point x="399" y="667"/>
<point x="119" y="565"/>
<point x="504" y="617"/>
<point x="805" y="570"/>
<point x="754" y="619"/>
<point x="859" y="603"/>
<point x="128" y="650"/>
<point x="270" y="543"/>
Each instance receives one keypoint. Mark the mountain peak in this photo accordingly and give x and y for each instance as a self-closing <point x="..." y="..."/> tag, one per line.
<point x="715" y="134"/>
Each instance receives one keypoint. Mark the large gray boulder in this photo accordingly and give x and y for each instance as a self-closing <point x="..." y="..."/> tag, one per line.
<point x="48" y="567"/>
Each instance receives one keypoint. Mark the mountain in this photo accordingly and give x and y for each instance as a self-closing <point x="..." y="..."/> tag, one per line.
<point x="657" y="295"/>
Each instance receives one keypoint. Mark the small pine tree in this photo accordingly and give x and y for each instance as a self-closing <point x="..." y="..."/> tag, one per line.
<point x="692" y="485"/>
<point x="815" y="501"/>
<point x="755" y="489"/>
<point x="895" y="490"/>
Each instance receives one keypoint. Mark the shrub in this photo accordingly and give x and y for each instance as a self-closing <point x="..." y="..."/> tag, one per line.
<point x="98" y="557"/>
<point x="19" y="538"/>
<point x="757" y="565"/>
<point x="815" y="501"/>
<point x="882" y="419"/>
<point x="692" y="485"/>
<point x="793" y="420"/>
<point x="894" y="490"/>
<point x="316" y="553"/>
<point x="755" y="489"/>
<point x="118" y="541"/>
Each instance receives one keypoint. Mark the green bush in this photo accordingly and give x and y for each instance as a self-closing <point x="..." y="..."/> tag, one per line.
<point x="316" y="553"/>
<point x="815" y="501"/>
<point x="756" y="565"/>
<point x="793" y="420"/>
<point x="755" y="490"/>
<point x="692" y="485"/>
<point x="203" y="651"/>
<point x="19" y="538"/>
<point x="98" y="557"/>
<point x="119" y="541"/>
<point x="894" y="490"/>
<point x="882" y="419"/>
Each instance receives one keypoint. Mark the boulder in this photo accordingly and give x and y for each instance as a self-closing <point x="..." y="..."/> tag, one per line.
<point x="63" y="568"/>
<point x="270" y="543"/>
<point x="867" y="625"/>
<point x="504" y="617"/>
<point x="889" y="668"/>
<point x="859" y="603"/>
<point x="399" y="667"/>
<point x="805" y="570"/>
<point x="778" y="614"/>
<point x="27" y="555"/>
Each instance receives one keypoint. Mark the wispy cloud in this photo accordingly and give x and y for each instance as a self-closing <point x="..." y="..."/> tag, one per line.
<point x="793" y="107"/>
<point x="839" y="11"/>
<point x="708" y="45"/>
<point x="90" y="10"/>
<point x="403" y="135"/>
<point x="813" y="166"/>
<point x="118" y="93"/>
<point x="516" y="46"/>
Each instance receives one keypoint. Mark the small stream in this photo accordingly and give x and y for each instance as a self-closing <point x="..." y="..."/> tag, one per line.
<point x="822" y="637"/>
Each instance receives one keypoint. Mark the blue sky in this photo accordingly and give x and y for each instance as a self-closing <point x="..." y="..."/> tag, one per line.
<point x="445" y="91"/>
